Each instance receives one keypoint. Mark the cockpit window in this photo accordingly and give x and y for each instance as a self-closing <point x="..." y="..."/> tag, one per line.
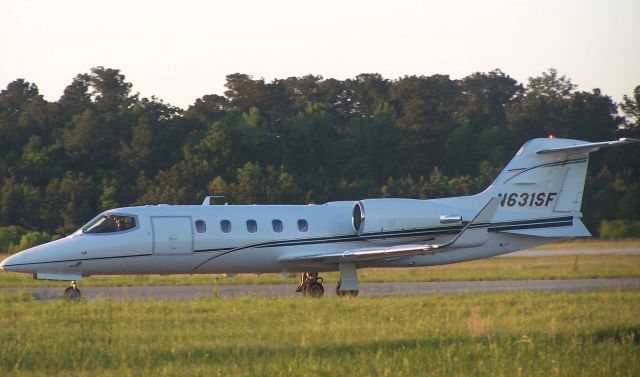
<point x="110" y="224"/>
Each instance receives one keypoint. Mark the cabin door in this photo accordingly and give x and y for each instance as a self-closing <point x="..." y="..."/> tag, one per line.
<point x="172" y="244"/>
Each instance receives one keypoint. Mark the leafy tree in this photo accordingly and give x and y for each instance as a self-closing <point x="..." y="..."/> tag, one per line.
<point x="18" y="201"/>
<point x="550" y="85"/>
<point x="109" y="90"/>
<point x="76" y="97"/>
<point x="631" y="108"/>
<point x="367" y="151"/>
<point x="206" y="110"/>
<point x="308" y="144"/>
<point x="370" y="92"/>
<point x="68" y="202"/>
<point x="15" y="129"/>
<point x="88" y="143"/>
<point x="244" y="92"/>
<point x="304" y="91"/>
<point x="37" y="163"/>
<point x="483" y="131"/>
<point x="405" y="187"/>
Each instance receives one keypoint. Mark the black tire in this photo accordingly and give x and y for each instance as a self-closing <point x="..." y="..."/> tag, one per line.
<point x="314" y="289"/>
<point x="72" y="294"/>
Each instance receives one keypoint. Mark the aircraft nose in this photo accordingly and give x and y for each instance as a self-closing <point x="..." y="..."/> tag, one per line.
<point x="10" y="262"/>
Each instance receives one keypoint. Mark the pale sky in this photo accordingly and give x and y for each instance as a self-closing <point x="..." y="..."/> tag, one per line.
<point x="182" y="50"/>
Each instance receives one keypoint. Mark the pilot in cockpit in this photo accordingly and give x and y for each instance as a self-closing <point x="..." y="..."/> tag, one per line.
<point x="119" y="224"/>
<point x="123" y="223"/>
<point x="110" y="224"/>
<point x="127" y="223"/>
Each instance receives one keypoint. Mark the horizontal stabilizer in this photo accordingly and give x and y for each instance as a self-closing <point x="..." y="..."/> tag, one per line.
<point x="589" y="147"/>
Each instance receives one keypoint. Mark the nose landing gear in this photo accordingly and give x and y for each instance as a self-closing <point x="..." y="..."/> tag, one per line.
<point x="72" y="293"/>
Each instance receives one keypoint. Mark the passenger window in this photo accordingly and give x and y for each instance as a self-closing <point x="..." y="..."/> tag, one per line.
<point x="252" y="226"/>
<point x="303" y="226"/>
<point x="110" y="224"/>
<point x="225" y="226"/>
<point x="277" y="226"/>
<point x="201" y="226"/>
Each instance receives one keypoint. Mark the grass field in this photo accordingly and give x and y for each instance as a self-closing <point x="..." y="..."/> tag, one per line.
<point x="494" y="334"/>
<point x="521" y="268"/>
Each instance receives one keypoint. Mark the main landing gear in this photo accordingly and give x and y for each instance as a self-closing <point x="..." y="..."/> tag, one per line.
<point x="311" y="283"/>
<point x="342" y="293"/>
<point x="72" y="293"/>
<point x="348" y="284"/>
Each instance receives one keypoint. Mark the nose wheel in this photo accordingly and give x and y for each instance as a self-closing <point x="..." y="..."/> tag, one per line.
<point x="311" y="285"/>
<point x="72" y="293"/>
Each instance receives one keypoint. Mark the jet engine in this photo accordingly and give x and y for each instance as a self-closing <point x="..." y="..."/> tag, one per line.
<point x="374" y="216"/>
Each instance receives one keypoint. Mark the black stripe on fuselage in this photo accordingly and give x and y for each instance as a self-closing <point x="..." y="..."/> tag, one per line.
<point x="222" y="249"/>
<point x="505" y="225"/>
<point x="528" y="224"/>
<point x="533" y="226"/>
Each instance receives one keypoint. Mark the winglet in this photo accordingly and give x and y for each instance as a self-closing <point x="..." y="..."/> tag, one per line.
<point x="484" y="216"/>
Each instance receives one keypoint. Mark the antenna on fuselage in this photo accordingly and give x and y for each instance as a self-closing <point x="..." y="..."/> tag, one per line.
<point x="209" y="199"/>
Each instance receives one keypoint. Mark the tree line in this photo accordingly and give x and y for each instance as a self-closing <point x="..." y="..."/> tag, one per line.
<point x="296" y="140"/>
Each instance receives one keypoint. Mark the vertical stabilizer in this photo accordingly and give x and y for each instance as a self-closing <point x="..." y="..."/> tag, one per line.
<point x="543" y="184"/>
<point x="547" y="175"/>
<point x="540" y="189"/>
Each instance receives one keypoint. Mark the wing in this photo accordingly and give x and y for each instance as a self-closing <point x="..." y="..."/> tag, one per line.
<point x="474" y="233"/>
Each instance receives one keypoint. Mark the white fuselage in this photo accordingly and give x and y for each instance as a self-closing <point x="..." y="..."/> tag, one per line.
<point x="168" y="240"/>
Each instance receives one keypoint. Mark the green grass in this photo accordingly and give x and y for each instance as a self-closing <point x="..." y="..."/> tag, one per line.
<point x="492" y="334"/>
<point x="521" y="268"/>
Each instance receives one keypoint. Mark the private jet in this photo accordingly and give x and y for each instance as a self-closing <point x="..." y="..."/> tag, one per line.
<point x="535" y="200"/>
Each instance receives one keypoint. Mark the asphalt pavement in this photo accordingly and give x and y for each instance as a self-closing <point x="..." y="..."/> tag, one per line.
<point x="366" y="289"/>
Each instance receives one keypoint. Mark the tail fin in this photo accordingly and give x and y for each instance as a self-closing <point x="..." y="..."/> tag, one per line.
<point x="545" y="181"/>
<point x="547" y="175"/>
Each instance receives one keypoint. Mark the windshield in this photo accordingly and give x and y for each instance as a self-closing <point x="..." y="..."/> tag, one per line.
<point x="110" y="224"/>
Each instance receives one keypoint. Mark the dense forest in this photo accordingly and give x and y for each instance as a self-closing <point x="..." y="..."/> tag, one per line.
<point x="294" y="140"/>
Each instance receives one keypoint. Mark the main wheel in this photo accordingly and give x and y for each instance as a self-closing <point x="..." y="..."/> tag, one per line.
<point x="72" y="294"/>
<point x="314" y="289"/>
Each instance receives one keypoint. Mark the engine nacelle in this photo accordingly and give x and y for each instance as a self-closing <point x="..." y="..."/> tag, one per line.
<point x="385" y="215"/>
